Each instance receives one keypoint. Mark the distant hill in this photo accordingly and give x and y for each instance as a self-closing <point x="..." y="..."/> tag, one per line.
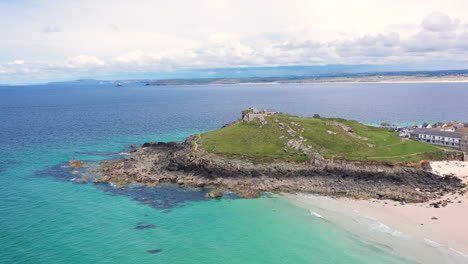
<point x="285" y="74"/>
<point x="85" y="82"/>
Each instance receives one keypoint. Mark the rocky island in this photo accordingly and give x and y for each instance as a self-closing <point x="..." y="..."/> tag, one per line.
<point x="268" y="151"/>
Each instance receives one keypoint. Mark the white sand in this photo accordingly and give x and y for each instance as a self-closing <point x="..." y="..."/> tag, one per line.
<point x="457" y="168"/>
<point x="438" y="235"/>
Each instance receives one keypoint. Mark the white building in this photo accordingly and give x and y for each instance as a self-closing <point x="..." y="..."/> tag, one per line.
<point x="437" y="137"/>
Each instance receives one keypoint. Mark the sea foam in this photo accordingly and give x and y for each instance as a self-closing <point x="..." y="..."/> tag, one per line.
<point x="315" y="214"/>
<point x="381" y="227"/>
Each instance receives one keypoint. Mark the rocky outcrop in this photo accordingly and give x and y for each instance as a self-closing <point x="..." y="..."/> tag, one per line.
<point x="157" y="163"/>
<point x="77" y="164"/>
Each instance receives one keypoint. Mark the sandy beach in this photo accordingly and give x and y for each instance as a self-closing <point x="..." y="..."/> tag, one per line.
<point x="440" y="234"/>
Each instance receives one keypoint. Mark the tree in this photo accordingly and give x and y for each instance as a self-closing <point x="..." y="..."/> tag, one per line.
<point x="316" y="116"/>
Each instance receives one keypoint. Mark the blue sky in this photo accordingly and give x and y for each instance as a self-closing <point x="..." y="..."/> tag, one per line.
<point x="46" y="40"/>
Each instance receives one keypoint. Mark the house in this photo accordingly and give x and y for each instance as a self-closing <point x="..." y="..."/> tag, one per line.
<point x="454" y="124"/>
<point x="442" y="138"/>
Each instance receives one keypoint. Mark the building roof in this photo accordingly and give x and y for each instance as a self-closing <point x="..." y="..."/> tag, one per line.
<point x="451" y="123"/>
<point x="432" y="132"/>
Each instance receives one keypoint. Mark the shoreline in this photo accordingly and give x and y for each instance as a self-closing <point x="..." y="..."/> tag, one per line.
<point x="158" y="163"/>
<point x="323" y="82"/>
<point x="424" y="227"/>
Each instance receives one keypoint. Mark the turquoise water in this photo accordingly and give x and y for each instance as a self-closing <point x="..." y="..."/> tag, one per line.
<point x="46" y="218"/>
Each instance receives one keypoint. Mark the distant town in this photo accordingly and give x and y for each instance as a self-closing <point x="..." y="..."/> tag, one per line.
<point x="448" y="134"/>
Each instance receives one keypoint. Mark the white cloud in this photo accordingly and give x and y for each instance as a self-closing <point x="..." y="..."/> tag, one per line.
<point x="438" y="21"/>
<point x="114" y="27"/>
<point x="83" y="61"/>
<point x="226" y="50"/>
<point x="16" y="62"/>
<point x="133" y="56"/>
<point x="51" y="29"/>
<point x="112" y="36"/>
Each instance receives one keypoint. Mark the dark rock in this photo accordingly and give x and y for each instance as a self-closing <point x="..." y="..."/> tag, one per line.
<point x="144" y="226"/>
<point x="148" y="144"/>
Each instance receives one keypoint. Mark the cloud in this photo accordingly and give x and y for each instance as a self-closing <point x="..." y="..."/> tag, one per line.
<point x="83" y="61"/>
<point x="219" y="34"/>
<point x="438" y="22"/>
<point x="226" y="50"/>
<point x="51" y="29"/>
<point x="381" y="45"/>
<point x="114" y="27"/>
<point x="16" y="62"/>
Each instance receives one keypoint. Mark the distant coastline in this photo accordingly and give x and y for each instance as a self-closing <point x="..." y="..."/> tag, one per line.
<point x="336" y="80"/>
<point x="341" y="82"/>
<point x="384" y="77"/>
<point x="445" y="76"/>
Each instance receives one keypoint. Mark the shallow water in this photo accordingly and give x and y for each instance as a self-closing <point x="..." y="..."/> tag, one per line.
<point x="48" y="218"/>
<point x="373" y="231"/>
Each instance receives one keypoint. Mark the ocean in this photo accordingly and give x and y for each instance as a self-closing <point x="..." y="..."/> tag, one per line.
<point x="46" y="217"/>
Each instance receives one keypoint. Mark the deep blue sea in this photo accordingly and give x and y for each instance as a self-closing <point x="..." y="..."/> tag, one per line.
<point x="45" y="217"/>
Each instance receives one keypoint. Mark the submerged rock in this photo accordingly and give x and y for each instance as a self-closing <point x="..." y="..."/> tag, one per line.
<point x="154" y="251"/>
<point x="102" y="179"/>
<point x="77" y="164"/>
<point x="215" y="194"/>
<point x="247" y="193"/>
<point x="144" y="226"/>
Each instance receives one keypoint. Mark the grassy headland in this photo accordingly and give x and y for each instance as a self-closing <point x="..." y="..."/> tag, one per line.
<point x="298" y="139"/>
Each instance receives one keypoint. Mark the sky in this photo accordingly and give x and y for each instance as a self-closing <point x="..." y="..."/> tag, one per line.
<point x="46" y="40"/>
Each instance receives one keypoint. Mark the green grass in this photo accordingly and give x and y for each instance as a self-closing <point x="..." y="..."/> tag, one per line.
<point x="268" y="141"/>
